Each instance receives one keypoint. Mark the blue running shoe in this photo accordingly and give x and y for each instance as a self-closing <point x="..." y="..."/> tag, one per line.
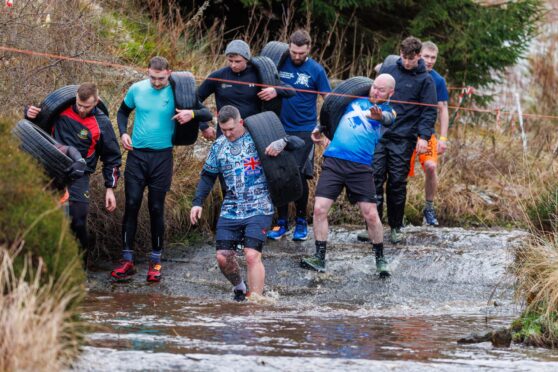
<point x="278" y="231"/>
<point x="430" y="217"/>
<point x="301" y="229"/>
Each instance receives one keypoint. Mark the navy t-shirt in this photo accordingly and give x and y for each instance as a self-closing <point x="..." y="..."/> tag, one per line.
<point x="441" y="88"/>
<point x="299" y="113"/>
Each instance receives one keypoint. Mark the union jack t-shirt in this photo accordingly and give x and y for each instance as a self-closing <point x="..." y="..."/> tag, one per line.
<point x="247" y="194"/>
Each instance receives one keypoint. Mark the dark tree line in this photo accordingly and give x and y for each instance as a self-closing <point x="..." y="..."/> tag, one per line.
<point x="477" y="39"/>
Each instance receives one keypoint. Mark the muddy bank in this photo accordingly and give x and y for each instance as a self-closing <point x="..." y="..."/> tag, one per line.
<point x="432" y="268"/>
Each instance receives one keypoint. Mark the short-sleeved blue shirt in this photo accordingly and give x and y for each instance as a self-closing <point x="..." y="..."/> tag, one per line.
<point x="153" y="124"/>
<point x="441" y="88"/>
<point x="247" y="194"/>
<point x="356" y="135"/>
<point x="299" y="113"/>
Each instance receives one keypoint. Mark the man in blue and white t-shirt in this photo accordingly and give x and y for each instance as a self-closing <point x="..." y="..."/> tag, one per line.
<point x="299" y="116"/>
<point x="247" y="209"/>
<point x="347" y="164"/>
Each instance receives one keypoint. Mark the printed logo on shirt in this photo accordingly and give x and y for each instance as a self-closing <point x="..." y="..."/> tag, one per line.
<point x="302" y="79"/>
<point x="226" y="85"/>
<point x="252" y="166"/>
<point x="83" y="134"/>
<point x="286" y="75"/>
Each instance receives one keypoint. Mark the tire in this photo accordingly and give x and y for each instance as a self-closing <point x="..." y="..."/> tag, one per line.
<point x="276" y="51"/>
<point x="58" y="101"/>
<point x="390" y="60"/>
<point x="334" y="106"/>
<point x="184" y="89"/>
<point x="41" y="146"/>
<point x="281" y="172"/>
<point x="268" y="75"/>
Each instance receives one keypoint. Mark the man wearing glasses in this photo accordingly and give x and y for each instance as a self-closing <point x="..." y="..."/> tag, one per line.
<point x="150" y="160"/>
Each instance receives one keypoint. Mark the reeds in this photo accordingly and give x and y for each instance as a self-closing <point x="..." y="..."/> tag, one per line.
<point x="37" y="329"/>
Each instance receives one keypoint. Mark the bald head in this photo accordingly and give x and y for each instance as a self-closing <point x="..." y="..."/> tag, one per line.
<point x="382" y="89"/>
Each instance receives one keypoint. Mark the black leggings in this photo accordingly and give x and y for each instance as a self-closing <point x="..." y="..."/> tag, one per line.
<point x="156" y="205"/>
<point x="78" y="224"/>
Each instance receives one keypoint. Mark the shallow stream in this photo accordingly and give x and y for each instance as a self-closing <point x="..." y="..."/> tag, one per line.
<point x="446" y="284"/>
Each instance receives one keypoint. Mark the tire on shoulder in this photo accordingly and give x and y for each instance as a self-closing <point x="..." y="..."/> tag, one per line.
<point x="277" y="51"/>
<point x="183" y="87"/>
<point x="281" y="172"/>
<point x="268" y="75"/>
<point x="42" y="147"/>
<point x="334" y="105"/>
<point x="56" y="102"/>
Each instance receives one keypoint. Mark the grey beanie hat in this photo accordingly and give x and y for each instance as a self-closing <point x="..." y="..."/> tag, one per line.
<point x="239" y="47"/>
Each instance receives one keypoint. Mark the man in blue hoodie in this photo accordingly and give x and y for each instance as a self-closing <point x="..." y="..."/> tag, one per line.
<point x="415" y="103"/>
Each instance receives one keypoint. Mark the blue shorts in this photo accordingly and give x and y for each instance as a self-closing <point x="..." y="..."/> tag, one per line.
<point x="251" y="232"/>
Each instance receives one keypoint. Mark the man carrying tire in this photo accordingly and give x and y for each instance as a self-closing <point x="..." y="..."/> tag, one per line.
<point x="86" y="128"/>
<point x="150" y="159"/>
<point x="299" y="115"/>
<point x="415" y="104"/>
<point x="247" y="209"/>
<point x="236" y="85"/>
<point x="436" y="146"/>
<point x="347" y="164"/>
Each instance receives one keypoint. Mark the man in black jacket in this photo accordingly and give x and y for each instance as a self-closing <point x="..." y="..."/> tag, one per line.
<point x="86" y="128"/>
<point x="236" y="84"/>
<point x="415" y="104"/>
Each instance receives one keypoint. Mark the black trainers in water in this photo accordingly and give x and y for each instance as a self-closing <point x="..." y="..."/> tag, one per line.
<point x="239" y="295"/>
<point x="313" y="263"/>
<point x="381" y="267"/>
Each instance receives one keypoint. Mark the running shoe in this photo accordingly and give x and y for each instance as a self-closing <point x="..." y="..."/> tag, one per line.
<point x="430" y="217"/>
<point x="396" y="235"/>
<point x="301" y="229"/>
<point x="154" y="272"/>
<point x="124" y="271"/>
<point x="381" y="267"/>
<point x="313" y="263"/>
<point x="278" y="231"/>
<point x="363" y="236"/>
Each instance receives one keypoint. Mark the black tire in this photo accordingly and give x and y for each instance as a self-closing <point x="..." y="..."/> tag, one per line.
<point x="334" y="105"/>
<point x="276" y="51"/>
<point x="281" y="172"/>
<point x="58" y="101"/>
<point x="41" y="146"/>
<point x="268" y="75"/>
<point x="184" y="89"/>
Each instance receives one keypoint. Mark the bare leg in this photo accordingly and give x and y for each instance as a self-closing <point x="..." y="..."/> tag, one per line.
<point x="226" y="259"/>
<point x="256" y="270"/>
<point x="373" y="223"/>
<point x="431" y="180"/>
<point x="321" y="226"/>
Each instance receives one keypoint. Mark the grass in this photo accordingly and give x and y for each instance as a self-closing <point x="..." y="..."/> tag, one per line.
<point x="37" y="328"/>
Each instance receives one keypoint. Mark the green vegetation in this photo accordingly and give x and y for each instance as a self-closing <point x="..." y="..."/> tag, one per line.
<point x="475" y="48"/>
<point x="31" y="222"/>
<point x="41" y="277"/>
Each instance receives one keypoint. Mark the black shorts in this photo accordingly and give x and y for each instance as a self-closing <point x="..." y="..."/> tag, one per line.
<point x="151" y="168"/>
<point x="357" y="178"/>
<point x="304" y="156"/>
<point x="251" y="232"/>
<point x="79" y="189"/>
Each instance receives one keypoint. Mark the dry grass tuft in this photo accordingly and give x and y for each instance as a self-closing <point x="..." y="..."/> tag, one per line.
<point x="37" y="332"/>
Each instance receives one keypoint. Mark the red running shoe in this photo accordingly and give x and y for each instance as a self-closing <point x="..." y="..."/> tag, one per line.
<point x="154" y="272"/>
<point x="124" y="271"/>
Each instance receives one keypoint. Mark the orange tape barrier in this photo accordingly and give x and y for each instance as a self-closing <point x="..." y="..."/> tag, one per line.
<point x="465" y="90"/>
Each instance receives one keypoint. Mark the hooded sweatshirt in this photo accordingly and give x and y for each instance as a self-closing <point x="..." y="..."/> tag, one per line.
<point x="412" y="86"/>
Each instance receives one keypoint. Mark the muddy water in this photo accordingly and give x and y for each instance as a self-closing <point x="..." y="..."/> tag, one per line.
<point x="446" y="284"/>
